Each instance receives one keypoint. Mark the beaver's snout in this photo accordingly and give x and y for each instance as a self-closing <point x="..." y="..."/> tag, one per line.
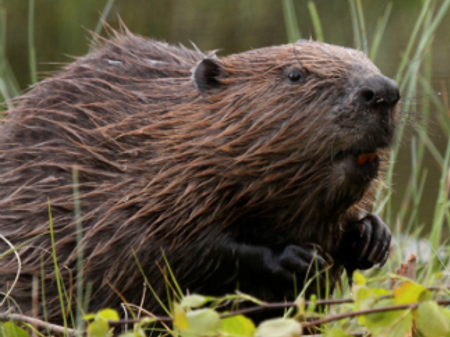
<point x="379" y="90"/>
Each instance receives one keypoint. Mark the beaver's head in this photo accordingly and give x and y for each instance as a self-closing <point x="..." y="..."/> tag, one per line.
<point x="302" y="126"/>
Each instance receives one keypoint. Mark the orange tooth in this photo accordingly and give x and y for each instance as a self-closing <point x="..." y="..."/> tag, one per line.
<point x="362" y="158"/>
<point x="372" y="157"/>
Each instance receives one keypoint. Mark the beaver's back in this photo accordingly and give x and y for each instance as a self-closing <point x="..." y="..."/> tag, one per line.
<point x="96" y="115"/>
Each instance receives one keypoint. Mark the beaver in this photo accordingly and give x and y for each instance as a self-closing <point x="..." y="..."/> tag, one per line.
<point x="241" y="172"/>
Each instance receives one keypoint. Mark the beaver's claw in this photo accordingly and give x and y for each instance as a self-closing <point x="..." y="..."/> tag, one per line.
<point x="365" y="244"/>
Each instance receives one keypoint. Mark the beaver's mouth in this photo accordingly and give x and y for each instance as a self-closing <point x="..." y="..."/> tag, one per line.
<point x="365" y="161"/>
<point x="366" y="158"/>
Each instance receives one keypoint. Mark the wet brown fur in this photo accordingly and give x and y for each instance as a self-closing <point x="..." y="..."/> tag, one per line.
<point x="162" y="164"/>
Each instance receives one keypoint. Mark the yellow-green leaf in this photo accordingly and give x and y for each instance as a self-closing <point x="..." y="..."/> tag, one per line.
<point x="238" y="326"/>
<point x="279" y="327"/>
<point x="432" y="320"/>
<point x="203" y="322"/>
<point x="9" y="329"/>
<point x="139" y="332"/>
<point x="194" y="301"/>
<point x="366" y="298"/>
<point x="312" y="304"/>
<point x="180" y="320"/>
<point x="88" y="317"/>
<point x="146" y="321"/>
<point x="359" y="278"/>
<point x="301" y="306"/>
<point x="409" y="293"/>
<point x="337" y="333"/>
<point x="129" y="334"/>
<point x="390" y="323"/>
<point x="108" y="315"/>
<point x="97" y="328"/>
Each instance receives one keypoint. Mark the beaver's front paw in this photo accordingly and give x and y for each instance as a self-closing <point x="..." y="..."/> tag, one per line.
<point x="365" y="243"/>
<point x="303" y="261"/>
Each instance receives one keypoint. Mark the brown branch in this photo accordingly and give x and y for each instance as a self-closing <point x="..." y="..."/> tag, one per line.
<point x="355" y="334"/>
<point x="136" y="320"/>
<point x="366" y="312"/>
<point x="263" y="306"/>
<point x="291" y="304"/>
<point x="6" y="316"/>
<point x="279" y="305"/>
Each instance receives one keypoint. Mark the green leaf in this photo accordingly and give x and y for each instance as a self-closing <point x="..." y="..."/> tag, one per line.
<point x="9" y="329"/>
<point x="108" y="315"/>
<point x="359" y="278"/>
<point x="366" y="298"/>
<point x="279" y="327"/>
<point x="301" y="309"/>
<point x="337" y="333"/>
<point x="139" y="332"/>
<point x="388" y="323"/>
<point x="129" y="334"/>
<point x="98" y="328"/>
<point x="432" y="320"/>
<point x="409" y="293"/>
<point x="180" y="320"/>
<point x="312" y="304"/>
<point x="238" y="326"/>
<point x="146" y="321"/>
<point x="88" y="317"/>
<point x="203" y="322"/>
<point x="194" y="301"/>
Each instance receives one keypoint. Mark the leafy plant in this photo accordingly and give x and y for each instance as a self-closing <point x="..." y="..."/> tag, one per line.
<point x="373" y="307"/>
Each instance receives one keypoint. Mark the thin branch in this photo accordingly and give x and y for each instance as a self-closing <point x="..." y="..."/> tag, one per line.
<point x="366" y="312"/>
<point x="135" y="320"/>
<point x="292" y="304"/>
<point x="263" y="306"/>
<point x="6" y="316"/>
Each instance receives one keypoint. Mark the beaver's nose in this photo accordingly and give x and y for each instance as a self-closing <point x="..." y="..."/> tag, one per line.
<point x="379" y="90"/>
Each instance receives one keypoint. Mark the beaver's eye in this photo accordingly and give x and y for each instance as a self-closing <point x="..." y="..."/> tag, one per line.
<point x="295" y="76"/>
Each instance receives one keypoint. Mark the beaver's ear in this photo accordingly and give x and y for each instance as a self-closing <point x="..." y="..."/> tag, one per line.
<point x="206" y="75"/>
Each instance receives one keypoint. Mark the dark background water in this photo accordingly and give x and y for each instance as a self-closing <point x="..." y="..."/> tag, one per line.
<point x="61" y="31"/>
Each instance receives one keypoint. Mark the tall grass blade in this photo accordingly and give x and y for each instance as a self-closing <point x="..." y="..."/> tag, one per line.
<point x="316" y="21"/>
<point x="31" y="47"/>
<point x="379" y="31"/>
<point x="9" y="86"/>
<point x="426" y="37"/>
<point x="355" y="24"/>
<point x="442" y="203"/>
<point x="414" y="218"/>
<point x="160" y="302"/>
<point x="362" y="27"/>
<point x="405" y="58"/>
<point x="412" y="74"/>
<point x="419" y="150"/>
<point x="290" y="21"/>
<point x="80" y="257"/>
<point x="172" y="275"/>
<point x="413" y="69"/>
<point x="44" y="302"/>
<point x="55" y="265"/>
<point x="440" y="104"/>
<point x="101" y="23"/>
<point x="3" y="90"/>
<point x="87" y="296"/>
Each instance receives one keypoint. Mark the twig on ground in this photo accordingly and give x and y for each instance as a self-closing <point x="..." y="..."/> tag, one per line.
<point x="7" y="316"/>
